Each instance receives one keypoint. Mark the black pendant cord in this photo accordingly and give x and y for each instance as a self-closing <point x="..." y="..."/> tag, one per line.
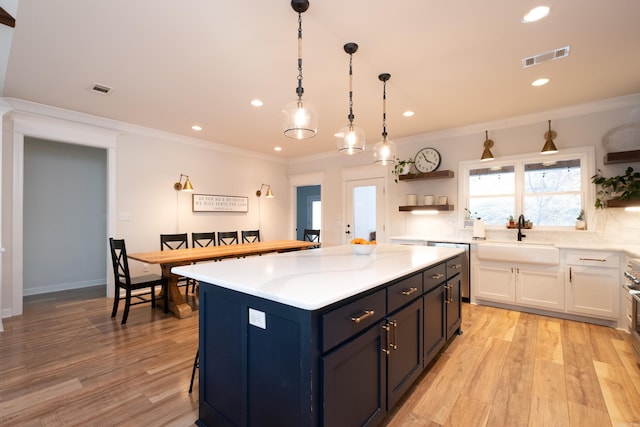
<point x="384" y="110"/>
<point x="300" y="89"/>
<point x="351" y="116"/>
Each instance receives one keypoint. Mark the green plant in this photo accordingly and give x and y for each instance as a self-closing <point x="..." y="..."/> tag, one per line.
<point x="399" y="166"/>
<point x="471" y="215"/>
<point x="621" y="187"/>
<point x="580" y="216"/>
<point x="510" y="219"/>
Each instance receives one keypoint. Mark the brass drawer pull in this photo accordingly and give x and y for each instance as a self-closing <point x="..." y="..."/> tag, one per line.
<point x="593" y="259"/>
<point x="386" y="350"/>
<point x="456" y="266"/>
<point x="394" y="345"/>
<point x="367" y="313"/>
<point x="409" y="291"/>
<point x="437" y="276"/>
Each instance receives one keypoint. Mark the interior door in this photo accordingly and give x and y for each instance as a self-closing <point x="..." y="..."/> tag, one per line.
<point x="365" y="210"/>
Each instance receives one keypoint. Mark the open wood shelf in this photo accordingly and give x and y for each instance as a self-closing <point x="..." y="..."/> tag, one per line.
<point x="622" y="203"/>
<point x="427" y="175"/>
<point x="622" y="157"/>
<point x="426" y="208"/>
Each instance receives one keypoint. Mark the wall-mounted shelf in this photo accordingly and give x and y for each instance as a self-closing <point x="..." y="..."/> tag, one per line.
<point x="427" y="175"/>
<point x="622" y="203"/>
<point x="620" y="157"/>
<point x="426" y="208"/>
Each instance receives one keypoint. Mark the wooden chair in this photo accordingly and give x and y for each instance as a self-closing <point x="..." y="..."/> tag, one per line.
<point x="227" y="238"/>
<point x="203" y="240"/>
<point x="124" y="281"/>
<point x="310" y="235"/>
<point x="177" y="241"/>
<point x="250" y="236"/>
<point x="196" y="364"/>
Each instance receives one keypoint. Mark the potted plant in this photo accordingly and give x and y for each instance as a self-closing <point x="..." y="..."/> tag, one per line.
<point x="511" y="223"/>
<point x="402" y="167"/>
<point x="580" y="224"/>
<point x="621" y="187"/>
<point x="470" y="217"/>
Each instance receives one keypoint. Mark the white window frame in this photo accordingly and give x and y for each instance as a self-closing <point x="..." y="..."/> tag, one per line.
<point x="587" y="170"/>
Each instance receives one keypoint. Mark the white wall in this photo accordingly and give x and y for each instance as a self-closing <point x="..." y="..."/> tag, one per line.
<point x="143" y="164"/>
<point x="577" y="126"/>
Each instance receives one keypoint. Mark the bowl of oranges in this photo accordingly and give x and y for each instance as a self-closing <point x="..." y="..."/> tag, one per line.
<point x="362" y="246"/>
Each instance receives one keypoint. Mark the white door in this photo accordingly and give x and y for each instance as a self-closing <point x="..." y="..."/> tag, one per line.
<point x="365" y="210"/>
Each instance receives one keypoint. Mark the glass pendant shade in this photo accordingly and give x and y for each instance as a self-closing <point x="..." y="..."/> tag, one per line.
<point x="350" y="139"/>
<point x="384" y="152"/>
<point x="300" y="119"/>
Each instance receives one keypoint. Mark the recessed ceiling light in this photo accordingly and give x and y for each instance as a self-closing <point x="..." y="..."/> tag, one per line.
<point x="277" y="148"/>
<point x="540" y="82"/>
<point x="196" y="128"/>
<point x="408" y="113"/>
<point x="536" y="14"/>
<point x="256" y="103"/>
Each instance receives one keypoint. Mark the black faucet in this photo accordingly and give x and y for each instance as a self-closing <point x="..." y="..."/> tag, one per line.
<point x="520" y="225"/>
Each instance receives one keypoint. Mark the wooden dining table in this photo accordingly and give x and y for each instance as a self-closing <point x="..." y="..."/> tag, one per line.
<point x="173" y="258"/>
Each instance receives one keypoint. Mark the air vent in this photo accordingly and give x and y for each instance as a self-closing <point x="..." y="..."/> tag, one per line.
<point x="100" y="88"/>
<point x="561" y="52"/>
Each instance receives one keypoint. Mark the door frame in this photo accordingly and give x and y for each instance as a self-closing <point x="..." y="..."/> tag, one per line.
<point x="303" y="180"/>
<point x="64" y="132"/>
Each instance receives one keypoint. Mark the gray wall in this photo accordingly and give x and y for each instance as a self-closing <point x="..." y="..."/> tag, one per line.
<point x="64" y="216"/>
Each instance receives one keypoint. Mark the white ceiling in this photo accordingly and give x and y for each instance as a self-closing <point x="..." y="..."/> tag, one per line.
<point x="173" y="64"/>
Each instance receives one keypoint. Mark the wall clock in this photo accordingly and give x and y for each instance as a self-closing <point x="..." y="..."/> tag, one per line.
<point x="427" y="160"/>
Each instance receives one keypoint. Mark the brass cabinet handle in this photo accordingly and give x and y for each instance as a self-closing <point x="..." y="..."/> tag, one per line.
<point x="367" y="313"/>
<point x="570" y="274"/>
<point x="386" y="350"/>
<point x="437" y="276"/>
<point x="409" y="291"/>
<point x="593" y="259"/>
<point x="394" y="345"/>
<point x="446" y="294"/>
<point x="456" y="266"/>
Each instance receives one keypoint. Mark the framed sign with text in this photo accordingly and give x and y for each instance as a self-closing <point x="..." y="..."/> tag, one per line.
<point x="213" y="203"/>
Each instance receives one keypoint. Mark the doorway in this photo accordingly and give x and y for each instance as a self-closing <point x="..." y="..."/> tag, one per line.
<point x="308" y="209"/>
<point x="365" y="206"/>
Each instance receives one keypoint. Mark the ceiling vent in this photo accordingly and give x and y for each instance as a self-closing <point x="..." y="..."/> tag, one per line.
<point x="100" y="88"/>
<point x="561" y="52"/>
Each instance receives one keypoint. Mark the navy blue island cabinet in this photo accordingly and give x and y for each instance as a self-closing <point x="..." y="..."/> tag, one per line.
<point x="263" y="363"/>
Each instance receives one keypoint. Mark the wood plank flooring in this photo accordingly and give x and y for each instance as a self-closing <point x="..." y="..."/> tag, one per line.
<point x="66" y="362"/>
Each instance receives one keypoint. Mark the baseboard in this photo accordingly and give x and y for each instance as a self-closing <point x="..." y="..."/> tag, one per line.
<point x="63" y="287"/>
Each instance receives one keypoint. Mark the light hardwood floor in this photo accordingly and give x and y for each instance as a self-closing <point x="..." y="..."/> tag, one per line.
<point x="66" y="362"/>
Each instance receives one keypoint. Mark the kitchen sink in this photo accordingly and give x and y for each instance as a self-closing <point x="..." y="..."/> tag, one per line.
<point x="520" y="252"/>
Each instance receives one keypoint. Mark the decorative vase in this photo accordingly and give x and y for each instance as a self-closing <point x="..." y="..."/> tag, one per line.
<point x="581" y="225"/>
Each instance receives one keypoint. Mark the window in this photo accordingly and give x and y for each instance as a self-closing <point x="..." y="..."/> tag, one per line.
<point x="549" y="190"/>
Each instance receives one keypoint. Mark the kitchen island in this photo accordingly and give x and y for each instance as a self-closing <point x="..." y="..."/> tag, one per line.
<point x="320" y="337"/>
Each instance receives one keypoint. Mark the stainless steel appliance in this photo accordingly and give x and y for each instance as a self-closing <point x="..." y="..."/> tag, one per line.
<point x="632" y="285"/>
<point x="466" y="272"/>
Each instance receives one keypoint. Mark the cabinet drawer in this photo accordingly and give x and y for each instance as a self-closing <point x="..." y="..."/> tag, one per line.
<point x="346" y="321"/>
<point x="455" y="266"/>
<point x="404" y="292"/>
<point x="594" y="259"/>
<point x="434" y="276"/>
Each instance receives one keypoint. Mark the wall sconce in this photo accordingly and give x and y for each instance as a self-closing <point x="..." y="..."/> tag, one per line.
<point x="269" y="194"/>
<point x="549" y="146"/>
<point x="488" y="145"/>
<point x="184" y="187"/>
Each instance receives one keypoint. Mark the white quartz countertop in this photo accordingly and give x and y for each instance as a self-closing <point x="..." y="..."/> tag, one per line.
<point x="315" y="278"/>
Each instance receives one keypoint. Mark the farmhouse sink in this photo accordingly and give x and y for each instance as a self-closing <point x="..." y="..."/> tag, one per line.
<point x="520" y="252"/>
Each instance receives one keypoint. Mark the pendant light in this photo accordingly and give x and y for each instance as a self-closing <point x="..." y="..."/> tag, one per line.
<point x="384" y="152"/>
<point x="488" y="145"/>
<point x="300" y="119"/>
<point x="549" y="146"/>
<point x="350" y="138"/>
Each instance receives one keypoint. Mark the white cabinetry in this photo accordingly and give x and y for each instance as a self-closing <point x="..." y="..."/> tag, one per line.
<point x="592" y="283"/>
<point x="523" y="284"/>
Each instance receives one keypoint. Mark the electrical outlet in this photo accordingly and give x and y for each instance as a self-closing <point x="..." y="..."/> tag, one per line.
<point x="125" y="216"/>
<point x="145" y="268"/>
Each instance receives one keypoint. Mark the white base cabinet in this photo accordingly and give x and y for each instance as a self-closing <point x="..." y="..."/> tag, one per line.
<point x="586" y="283"/>
<point x="593" y="283"/>
<point x="524" y="284"/>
